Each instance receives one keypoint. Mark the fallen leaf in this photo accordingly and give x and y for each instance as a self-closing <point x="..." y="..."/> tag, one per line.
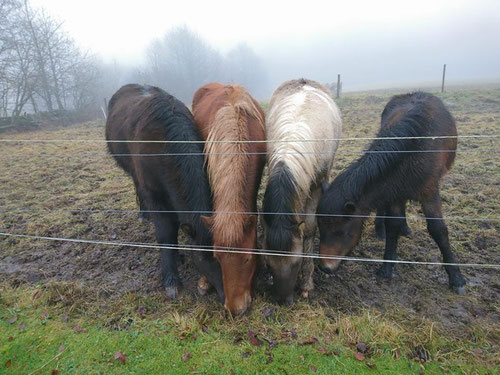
<point x="321" y="349"/>
<point x="121" y="357"/>
<point x="44" y="314"/>
<point x="79" y="329"/>
<point x="268" y="312"/>
<point x="253" y="339"/>
<point x="8" y="363"/>
<point x="204" y="328"/>
<point x="54" y="372"/>
<point x="186" y="355"/>
<point x="61" y="348"/>
<point x="312" y="368"/>
<point x="141" y="310"/>
<point x="238" y="338"/>
<point x="371" y="364"/>
<point x="204" y="352"/>
<point x="302" y="358"/>
<point x="22" y="326"/>
<point x="36" y="295"/>
<point x="311" y="341"/>
<point x="272" y="342"/>
<point x="12" y="320"/>
<point x="359" y="356"/>
<point x="361" y="346"/>
<point x="232" y="372"/>
<point x="10" y="338"/>
<point x="64" y="318"/>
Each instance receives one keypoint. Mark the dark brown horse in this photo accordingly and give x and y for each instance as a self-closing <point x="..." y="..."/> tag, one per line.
<point x="385" y="181"/>
<point x="229" y="114"/>
<point x="168" y="182"/>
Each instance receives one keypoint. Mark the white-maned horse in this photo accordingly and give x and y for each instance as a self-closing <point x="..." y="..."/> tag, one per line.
<point x="299" y="111"/>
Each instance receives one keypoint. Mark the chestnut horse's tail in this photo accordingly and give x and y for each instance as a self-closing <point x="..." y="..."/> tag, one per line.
<point x="228" y="164"/>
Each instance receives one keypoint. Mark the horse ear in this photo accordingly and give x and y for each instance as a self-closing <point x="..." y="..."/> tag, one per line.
<point x="208" y="220"/>
<point x="324" y="186"/>
<point x="349" y="209"/>
<point x="188" y="229"/>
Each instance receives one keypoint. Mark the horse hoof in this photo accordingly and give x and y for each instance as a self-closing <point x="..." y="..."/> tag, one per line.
<point x="203" y="286"/>
<point x="384" y="272"/>
<point x="171" y="292"/>
<point x="460" y="290"/>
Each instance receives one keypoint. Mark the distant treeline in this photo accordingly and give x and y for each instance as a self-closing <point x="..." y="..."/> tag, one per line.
<point x="43" y="70"/>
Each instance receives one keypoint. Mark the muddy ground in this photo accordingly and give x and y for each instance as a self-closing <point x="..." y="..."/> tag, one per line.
<point x="57" y="183"/>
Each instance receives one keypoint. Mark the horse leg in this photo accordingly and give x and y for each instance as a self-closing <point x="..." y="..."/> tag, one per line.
<point x="405" y="229"/>
<point x="379" y="225"/>
<point x="307" y="268"/>
<point x="439" y="232"/>
<point x="393" y="224"/>
<point x="209" y="267"/>
<point x="167" y="227"/>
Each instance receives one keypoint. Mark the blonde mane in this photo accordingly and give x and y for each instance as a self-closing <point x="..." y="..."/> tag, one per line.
<point x="228" y="164"/>
<point x="302" y="110"/>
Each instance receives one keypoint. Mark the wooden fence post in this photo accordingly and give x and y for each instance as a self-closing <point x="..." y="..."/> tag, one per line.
<point x="444" y="73"/>
<point x="338" y="85"/>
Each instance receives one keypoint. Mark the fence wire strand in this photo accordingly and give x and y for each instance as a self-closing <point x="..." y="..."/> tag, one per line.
<point x="247" y="251"/>
<point x="472" y="136"/>
<point x="210" y="212"/>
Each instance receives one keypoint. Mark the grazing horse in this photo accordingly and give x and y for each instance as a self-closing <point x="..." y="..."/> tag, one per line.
<point x="166" y="182"/>
<point x="299" y="111"/>
<point x="392" y="172"/>
<point x="226" y="115"/>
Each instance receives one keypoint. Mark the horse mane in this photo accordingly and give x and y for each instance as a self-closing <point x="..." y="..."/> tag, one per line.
<point x="177" y="122"/>
<point x="297" y="114"/>
<point x="228" y="162"/>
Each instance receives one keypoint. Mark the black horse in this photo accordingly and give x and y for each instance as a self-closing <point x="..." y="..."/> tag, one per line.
<point x="385" y="181"/>
<point x="173" y="182"/>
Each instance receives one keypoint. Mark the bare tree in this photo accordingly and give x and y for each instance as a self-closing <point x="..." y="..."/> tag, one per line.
<point x="181" y="62"/>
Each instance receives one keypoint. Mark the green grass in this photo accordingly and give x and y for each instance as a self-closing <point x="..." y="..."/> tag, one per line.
<point x="59" y="327"/>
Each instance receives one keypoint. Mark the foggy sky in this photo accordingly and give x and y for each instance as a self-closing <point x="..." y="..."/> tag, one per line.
<point x="372" y="44"/>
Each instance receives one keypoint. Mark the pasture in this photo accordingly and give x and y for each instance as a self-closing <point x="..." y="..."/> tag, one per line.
<point x="92" y="308"/>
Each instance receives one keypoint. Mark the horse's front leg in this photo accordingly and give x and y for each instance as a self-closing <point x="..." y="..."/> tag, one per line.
<point x="394" y="222"/>
<point x="167" y="226"/>
<point x="307" y="270"/>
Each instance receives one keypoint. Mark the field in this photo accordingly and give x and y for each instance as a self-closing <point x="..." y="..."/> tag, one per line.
<point x="74" y="308"/>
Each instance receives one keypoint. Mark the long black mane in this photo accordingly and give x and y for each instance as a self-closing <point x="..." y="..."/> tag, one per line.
<point x="279" y="197"/>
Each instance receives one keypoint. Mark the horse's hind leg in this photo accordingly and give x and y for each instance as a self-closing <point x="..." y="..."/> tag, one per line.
<point x="439" y="232"/>
<point x="393" y="224"/>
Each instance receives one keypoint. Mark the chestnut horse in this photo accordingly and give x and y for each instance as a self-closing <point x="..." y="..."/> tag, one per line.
<point x="167" y="182"/>
<point x="385" y="181"/>
<point x="299" y="111"/>
<point x="225" y="115"/>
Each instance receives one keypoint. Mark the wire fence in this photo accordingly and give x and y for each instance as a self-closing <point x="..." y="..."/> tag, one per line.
<point x="264" y="252"/>
<point x="268" y="252"/>
<point x="471" y="136"/>
<point x="209" y="212"/>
